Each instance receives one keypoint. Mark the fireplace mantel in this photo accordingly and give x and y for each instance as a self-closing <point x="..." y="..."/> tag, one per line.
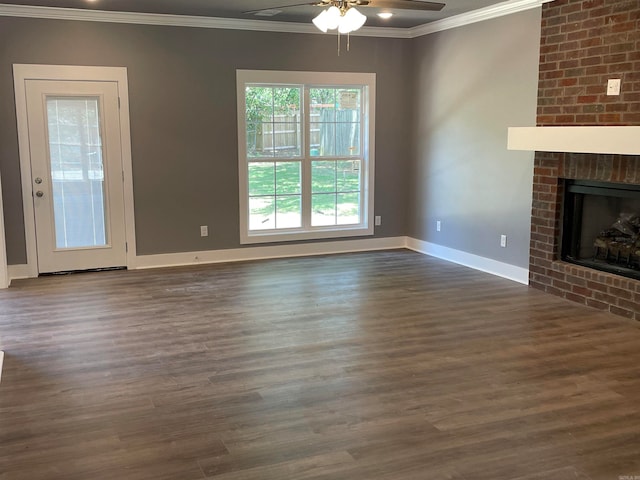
<point x="622" y="140"/>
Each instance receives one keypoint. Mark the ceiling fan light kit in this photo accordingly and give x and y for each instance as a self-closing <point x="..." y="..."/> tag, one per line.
<point x="351" y="21"/>
<point x="346" y="20"/>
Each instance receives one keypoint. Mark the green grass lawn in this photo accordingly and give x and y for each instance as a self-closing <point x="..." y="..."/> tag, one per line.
<point x="275" y="187"/>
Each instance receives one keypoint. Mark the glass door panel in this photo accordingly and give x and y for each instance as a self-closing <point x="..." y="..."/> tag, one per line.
<point x="77" y="172"/>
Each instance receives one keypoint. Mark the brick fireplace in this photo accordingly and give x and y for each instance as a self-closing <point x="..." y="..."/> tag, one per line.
<point x="605" y="291"/>
<point x="583" y="44"/>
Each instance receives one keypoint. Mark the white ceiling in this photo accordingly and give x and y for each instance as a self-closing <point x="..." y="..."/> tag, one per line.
<point x="235" y="8"/>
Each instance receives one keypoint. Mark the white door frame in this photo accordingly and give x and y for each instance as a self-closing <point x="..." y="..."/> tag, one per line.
<point x="22" y="73"/>
<point x="4" y="270"/>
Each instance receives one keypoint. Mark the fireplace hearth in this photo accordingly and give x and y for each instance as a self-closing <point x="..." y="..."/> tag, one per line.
<point x="601" y="226"/>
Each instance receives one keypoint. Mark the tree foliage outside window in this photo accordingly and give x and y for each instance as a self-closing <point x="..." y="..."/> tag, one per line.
<point x="273" y="118"/>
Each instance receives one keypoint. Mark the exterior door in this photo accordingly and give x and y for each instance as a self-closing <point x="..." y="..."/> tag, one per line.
<point x="76" y="174"/>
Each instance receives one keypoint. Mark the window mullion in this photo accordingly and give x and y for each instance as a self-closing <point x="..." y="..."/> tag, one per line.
<point x="306" y="159"/>
<point x="364" y="153"/>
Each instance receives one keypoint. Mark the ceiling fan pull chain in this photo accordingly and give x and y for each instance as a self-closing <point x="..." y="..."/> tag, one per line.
<point x="338" y="43"/>
<point x="348" y="40"/>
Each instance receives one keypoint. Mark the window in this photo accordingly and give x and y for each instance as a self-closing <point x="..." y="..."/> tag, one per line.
<point x="305" y="143"/>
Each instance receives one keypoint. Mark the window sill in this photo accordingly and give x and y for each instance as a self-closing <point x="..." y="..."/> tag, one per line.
<point x="275" y="237"/>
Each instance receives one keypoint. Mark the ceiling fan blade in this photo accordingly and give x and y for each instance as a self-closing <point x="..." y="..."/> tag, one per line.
<point x="422" y="5"/>
<point x="407" y="5"/>
<point x="282" y="6"/>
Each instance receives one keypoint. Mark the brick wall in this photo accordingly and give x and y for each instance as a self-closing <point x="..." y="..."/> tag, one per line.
<point x="601" y="290"/>
<point x="583" y="44"/>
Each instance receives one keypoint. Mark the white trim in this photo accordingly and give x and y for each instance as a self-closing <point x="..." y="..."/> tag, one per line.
<point x="488" y="265"/>
<point x="621" y="140"/>
<point x="85" y="15"/>
<point x="4" y="271"/>
<point x="57" y="13"/>
<point x="25" y="175"/>
<point x="1" y="362"/>
<point x="493" y="11"/>
<point x="476" y="262"/>
<point x="265" y="252"/>
<point x="288" y="236"/>
<point x="305" y="80"/>
<point x="17" y="272"/>
<point x="127" y="167"/>
<point x="21" y="74"/>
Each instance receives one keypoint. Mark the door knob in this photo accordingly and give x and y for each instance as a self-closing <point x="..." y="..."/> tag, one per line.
<point x="39" y="193"/>
<point x="38" y="180"/>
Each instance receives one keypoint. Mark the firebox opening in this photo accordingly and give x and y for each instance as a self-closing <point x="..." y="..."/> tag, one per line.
<point x="601" y="226"/>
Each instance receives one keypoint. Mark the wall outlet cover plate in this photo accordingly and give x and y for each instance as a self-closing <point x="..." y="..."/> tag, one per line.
<point x="613" y="86"/>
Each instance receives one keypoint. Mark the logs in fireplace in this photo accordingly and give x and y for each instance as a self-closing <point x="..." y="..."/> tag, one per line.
<point x="620" y="244"/>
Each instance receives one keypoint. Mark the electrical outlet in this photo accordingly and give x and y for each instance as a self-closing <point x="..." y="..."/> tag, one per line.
<point x="613" y="86"/>
<point x="438" y="226"/>
<point x="378" y="220"/>
<point x="204" y="231"/>
<point x="503" y="241"/>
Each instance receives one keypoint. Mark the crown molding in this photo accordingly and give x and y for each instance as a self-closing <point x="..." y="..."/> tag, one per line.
<point x="85" y="15"/>
<point x="480" y="15"/>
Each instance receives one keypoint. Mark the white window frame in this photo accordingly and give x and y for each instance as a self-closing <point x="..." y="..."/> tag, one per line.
<point x="309" y="79"/>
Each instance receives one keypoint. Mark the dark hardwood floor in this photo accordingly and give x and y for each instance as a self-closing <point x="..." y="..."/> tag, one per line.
<point x="372" y="366"/>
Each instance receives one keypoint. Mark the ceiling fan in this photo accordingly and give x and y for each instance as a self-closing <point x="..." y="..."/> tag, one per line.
<point x="341" y="15"/>
<point x="337" y="16"/>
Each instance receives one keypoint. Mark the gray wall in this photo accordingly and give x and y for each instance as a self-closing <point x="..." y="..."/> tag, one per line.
<point x="183" y="118"/>
<point x="444" y="102"/>
<point x="471" y="83"/>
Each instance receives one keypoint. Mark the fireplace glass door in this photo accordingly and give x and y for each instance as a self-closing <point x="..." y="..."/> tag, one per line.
<point x="601" y="226"/>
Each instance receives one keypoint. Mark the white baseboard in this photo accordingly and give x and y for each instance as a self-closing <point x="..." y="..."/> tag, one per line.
<point x="494" y="267"/>
<point x="4" y="271"/>
<point x="488" y="265"/>
<point x="265" y="252"/>
<point x="17" y="272"/>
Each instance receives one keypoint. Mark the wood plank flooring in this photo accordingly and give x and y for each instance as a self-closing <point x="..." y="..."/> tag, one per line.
<point x="369" y="366"/>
